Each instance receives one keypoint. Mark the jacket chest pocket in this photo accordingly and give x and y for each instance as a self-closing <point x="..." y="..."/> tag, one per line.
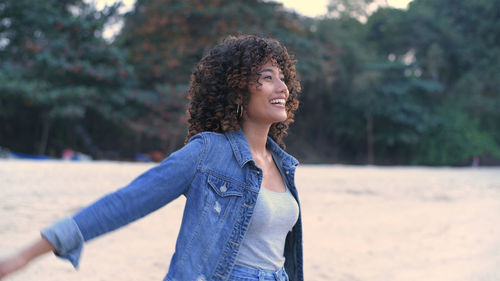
<point x="222" y="195"/>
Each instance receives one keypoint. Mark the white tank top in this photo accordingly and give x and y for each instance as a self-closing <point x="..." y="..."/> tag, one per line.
<point x="274" y="216"/>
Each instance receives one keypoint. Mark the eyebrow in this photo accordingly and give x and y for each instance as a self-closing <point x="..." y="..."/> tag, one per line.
<point x="269" y="70"/>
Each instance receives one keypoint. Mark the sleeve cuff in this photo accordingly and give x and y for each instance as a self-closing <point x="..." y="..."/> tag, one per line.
<point x="66" y="238"/>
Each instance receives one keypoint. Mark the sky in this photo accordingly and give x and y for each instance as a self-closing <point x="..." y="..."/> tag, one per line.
<point x="311" y="8"/>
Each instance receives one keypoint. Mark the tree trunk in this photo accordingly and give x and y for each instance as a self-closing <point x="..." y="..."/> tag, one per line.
<point x="369" y="140"/>
<point x="45" y="135"/>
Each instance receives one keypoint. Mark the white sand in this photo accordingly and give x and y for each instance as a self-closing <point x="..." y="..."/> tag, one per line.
<point x="360" y="223"/>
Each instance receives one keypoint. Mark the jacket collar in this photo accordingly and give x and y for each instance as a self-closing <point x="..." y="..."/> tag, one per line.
<point x="243" y="155"/>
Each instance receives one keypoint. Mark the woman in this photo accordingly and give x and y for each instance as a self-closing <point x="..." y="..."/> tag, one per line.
<point x="241" y="219"/>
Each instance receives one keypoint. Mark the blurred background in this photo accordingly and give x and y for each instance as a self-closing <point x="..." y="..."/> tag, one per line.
<point x="384" y="82"/>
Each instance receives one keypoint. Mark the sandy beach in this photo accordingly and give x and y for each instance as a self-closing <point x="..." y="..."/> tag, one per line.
<point x="360" y="223"/>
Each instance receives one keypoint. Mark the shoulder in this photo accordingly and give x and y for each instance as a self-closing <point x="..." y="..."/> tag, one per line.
<point x="217" y="152"/>
<point x="210" y="143"/>
<point x="208" y="139"/>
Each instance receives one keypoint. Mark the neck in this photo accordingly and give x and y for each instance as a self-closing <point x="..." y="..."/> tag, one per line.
<point x="256" y="136"/>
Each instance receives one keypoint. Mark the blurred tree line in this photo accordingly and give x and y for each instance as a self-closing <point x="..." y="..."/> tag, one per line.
<point x="412" y="86"/>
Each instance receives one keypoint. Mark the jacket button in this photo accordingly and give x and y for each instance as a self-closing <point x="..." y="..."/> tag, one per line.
<point x="223" y="188"/>
<point x="287" y="172"/>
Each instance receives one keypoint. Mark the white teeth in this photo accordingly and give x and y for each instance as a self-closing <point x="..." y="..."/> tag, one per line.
<point x="278" y="101"/>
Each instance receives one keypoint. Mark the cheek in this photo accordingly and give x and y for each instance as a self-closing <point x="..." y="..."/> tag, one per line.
<point x="257" y="96"/>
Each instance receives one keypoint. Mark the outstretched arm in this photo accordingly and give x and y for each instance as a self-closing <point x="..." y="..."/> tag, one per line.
<point x="150" y="191"/>
<point x="25" y="256"/>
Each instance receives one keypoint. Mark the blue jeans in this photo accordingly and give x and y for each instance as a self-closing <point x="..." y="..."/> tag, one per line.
<point x="242" y="273"/>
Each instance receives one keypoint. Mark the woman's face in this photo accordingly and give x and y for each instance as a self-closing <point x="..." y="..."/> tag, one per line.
<point x="268" y="97"/>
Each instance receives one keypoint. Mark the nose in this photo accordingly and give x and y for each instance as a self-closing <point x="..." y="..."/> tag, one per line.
<point x="282" y="87"/>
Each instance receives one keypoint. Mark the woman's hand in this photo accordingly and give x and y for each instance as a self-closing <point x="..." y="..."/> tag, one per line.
<point x="12" y="264"/>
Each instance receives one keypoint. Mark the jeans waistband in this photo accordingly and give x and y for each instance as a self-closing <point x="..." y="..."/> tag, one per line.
<point x="262" y="273"/>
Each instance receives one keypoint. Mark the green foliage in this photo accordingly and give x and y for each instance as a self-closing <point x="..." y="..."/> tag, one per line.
<point x="56" y="66"/>
<point x="416" y="86"/>
<point x="358" y="9"/>
<point x="454" y="138"/>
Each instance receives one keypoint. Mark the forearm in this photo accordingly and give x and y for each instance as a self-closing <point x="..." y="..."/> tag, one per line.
<point x="38" y="248"/>
<point x="25" y="256"/>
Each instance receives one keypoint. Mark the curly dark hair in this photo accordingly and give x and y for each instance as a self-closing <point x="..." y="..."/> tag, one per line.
<point x="219" y="83"/>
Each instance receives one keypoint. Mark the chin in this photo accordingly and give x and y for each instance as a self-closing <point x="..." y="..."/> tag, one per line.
<point x="281" y="119"/>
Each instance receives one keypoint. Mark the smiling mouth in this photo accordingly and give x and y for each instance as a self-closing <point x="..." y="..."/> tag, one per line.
<point x="278" y="101"/>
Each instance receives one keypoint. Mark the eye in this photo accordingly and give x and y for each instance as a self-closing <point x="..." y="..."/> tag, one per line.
<point x="268" y="77"/>
<point x="282" y="79"/>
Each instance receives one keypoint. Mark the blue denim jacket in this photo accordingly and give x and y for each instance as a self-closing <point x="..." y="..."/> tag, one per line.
<point x="221" y="182"/>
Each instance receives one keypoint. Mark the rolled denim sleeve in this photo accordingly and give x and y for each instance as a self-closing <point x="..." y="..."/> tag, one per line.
<point x="145" y="194"/>
<point x="66" y="238"/>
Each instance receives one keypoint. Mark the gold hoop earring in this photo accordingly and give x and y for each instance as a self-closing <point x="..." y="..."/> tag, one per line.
<point x="239" y="111"/>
